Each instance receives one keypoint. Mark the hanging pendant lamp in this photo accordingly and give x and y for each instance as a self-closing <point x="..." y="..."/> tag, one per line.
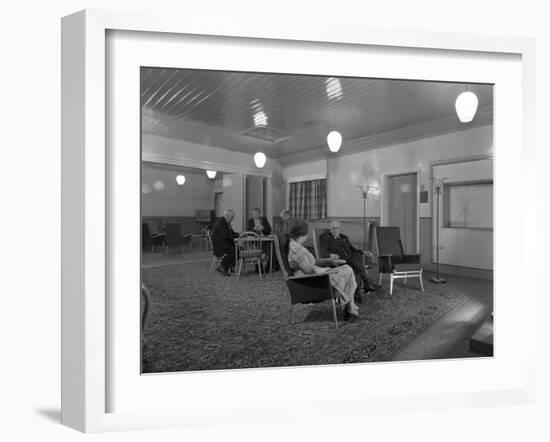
<point x="466" y="106"/>
<point x="334" y="141"/>
<point x="260" y="159"/>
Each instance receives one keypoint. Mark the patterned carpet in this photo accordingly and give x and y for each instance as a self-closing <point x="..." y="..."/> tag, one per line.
<point x="204" y="321"/>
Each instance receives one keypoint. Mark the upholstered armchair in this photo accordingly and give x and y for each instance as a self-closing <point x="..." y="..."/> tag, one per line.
<point x="303" y="289"/>
<point x="392" y="260"/>
<point x="174" y="237"/>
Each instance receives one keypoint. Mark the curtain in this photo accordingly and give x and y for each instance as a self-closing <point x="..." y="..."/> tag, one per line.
<point x="308" y="199"/>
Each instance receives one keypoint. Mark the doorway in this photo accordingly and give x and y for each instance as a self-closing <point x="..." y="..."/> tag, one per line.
<point x="255" y="195"/>
<point x="402" y="204"/>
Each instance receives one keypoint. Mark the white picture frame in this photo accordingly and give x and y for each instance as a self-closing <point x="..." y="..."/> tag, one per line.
<point x="86" y="205"/>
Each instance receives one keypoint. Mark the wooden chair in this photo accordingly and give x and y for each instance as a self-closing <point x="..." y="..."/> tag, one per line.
<point x="204" y="237"/>
<point x="216" y="260"/>
<point x="303" y="289"/>
<point x="392" y="260"/>
<point x="249" y="246"/>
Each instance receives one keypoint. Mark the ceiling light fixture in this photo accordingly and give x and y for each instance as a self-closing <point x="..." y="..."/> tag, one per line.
<point x="180" y="179"/>
<point x="260" y="159"/>
<point x="211" y="173"/>
<point x="466" y="106"/>
<point x="259" y="117"/>
<point x="334" y="141"/>
<point x="333" y="88"/>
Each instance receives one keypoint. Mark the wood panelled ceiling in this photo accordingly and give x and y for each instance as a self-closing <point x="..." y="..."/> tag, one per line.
<point x="287" y="115"/>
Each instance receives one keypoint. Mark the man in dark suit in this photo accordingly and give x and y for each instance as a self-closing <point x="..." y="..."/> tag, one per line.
<point x="223" y="240"/>
<point x="287" y="221"/>
<point x="336" y="245"/>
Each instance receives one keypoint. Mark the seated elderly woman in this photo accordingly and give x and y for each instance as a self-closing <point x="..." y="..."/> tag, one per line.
<point x="301" y="260"/>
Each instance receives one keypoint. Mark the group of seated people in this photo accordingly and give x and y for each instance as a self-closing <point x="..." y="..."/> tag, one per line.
<point x="223" y="238"/>
<point x="346" y="278"/>
<point x="334" y="244"/>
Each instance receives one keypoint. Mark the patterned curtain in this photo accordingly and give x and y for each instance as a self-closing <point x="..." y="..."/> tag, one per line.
<point x="308" y="199"/>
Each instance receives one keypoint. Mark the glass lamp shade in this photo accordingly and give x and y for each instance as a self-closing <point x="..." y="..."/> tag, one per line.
<point x="211" y="173"/>
<point x="466" y="106"/>
<point x="180" y="179"/>
<point x="334" y="141"/>
<point x="260" y="159"/>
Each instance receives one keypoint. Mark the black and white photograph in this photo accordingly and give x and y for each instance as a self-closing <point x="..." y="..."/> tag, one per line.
<point x="343" y="220"/>
<point x="288" y="221"/>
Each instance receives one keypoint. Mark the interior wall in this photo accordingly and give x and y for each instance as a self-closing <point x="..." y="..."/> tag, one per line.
<point x="371" y="166"/>
<point x="306" y="171"/>
<point x="172" y="151"/>
<point x="162" y="197"/>
<point x="465" y="247"/>
<point x="345" y="172"/>
<point x="169" y="150"/>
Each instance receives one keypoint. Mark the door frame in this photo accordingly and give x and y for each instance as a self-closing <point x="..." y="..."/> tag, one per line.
<point x="267" y="197"/>
<point x="384" y="200"/>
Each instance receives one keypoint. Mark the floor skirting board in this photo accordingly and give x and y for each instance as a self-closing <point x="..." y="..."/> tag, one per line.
<point x="459" y="271"/>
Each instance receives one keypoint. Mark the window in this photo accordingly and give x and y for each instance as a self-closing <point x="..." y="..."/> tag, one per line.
<point x="468" y="205"/>
<point x="308" y="199"/>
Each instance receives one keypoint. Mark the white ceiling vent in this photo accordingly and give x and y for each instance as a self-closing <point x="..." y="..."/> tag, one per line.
<point x="268" y="134"/>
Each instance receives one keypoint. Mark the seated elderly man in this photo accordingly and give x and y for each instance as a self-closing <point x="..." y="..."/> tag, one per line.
<point x="334" y="244"/>
<point x="223" y="240"/>
<point x="258" y="223"/>
<point x="288" y="221"/>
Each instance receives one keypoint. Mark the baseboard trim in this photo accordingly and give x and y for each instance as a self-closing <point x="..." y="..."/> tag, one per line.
<point x="459" y="271"/>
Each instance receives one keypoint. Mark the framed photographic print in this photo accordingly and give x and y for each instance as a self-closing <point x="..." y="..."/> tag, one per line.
<point x="249" y="214"/>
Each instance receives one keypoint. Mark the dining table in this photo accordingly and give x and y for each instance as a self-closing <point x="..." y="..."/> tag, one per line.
<point x="264" y="239"/>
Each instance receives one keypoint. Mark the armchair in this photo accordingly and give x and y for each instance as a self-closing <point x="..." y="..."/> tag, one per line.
<point x="174" y="237"/>
<point x="303" y="289"/>
<point x="146" y="241"/>
<point x="392" y="260"/>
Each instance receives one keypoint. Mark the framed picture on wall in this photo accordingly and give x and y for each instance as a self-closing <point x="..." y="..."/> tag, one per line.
<point x="137" y="141"/>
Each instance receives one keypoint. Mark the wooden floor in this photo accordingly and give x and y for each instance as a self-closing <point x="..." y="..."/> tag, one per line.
<point x="449" y="337"/>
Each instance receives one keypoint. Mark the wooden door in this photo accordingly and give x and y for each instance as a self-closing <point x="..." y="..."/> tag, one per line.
<point x="402" y="207"/>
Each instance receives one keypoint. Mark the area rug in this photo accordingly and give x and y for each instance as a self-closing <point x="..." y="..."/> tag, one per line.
<point x="205" y="321"/>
